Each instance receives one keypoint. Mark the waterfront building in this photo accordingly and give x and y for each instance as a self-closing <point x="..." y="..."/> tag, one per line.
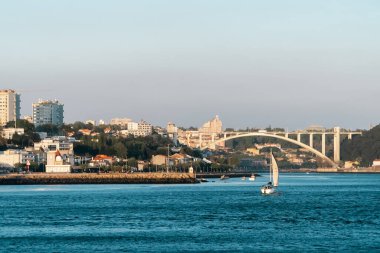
<point x="101" y="160"/>
<point x="9" y="106"/>
<point x="47" y="112"/>
<point x="123" y="122"/>
<point x="376" y="163"/>
<point x="159" y="160"/>
<point x="57" y="163"/>
<point x="8" y="133"/>
<point x="9" y="158"/>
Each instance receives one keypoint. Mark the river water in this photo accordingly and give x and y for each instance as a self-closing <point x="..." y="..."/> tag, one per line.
<point x="311" y="212"/>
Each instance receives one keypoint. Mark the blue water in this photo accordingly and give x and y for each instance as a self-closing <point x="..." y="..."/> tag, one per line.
<point x="313" y="213"/>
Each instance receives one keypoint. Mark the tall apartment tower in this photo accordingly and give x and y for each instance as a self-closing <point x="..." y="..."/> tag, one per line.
<point x="47" y="112"/>
<point x="9" y="106"/>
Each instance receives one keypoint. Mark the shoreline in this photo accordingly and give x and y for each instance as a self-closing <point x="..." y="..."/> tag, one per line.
<point x="94" y="178"/>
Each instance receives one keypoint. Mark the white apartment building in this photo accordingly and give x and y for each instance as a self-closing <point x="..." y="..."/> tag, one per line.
<point x="133" y="126"/>
<point x="9" y="106"/>
<point x="138" y="129"/>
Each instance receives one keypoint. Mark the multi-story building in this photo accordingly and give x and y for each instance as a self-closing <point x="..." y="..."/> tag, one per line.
<point x="123" y="122"/>
<point x="47" y="112"/>
<point x="133" y="126"/>
<point x="214" y="126"/>
<point x="172" y="131"/>
<point x="138" y="129"/>
<point x="9" y="106"/>
<point x="144" y="128"/>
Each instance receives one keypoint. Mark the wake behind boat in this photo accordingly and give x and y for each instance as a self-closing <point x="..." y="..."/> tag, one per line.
<point x="270" y="187"/>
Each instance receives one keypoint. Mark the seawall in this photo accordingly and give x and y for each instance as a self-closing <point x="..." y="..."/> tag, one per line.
<point x="89" y="178"/>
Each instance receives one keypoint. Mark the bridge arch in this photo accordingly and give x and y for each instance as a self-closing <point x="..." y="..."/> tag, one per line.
<point x="313" y="150"/>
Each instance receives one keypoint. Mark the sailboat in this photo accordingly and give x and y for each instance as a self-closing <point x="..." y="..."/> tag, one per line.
<point x="270" y="187"/>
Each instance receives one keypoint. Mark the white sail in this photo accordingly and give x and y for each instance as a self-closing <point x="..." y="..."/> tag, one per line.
<point x="275" y="171"/>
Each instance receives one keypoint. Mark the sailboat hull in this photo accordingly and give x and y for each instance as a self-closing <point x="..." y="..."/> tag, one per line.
<point x="267" y="191"/>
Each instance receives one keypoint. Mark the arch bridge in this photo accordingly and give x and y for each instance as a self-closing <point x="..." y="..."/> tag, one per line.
<point x="285" y="137"/>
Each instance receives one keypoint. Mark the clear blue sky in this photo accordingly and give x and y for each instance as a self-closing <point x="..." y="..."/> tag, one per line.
<point x="255" y="63"/>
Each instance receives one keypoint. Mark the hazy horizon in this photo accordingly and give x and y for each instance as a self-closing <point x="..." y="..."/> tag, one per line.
<point x="287" y="64"/>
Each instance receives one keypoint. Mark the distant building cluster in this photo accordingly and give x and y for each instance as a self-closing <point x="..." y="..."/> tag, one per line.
<point x="129" y="127"/>
<point x="56" y="152"/>
<point x="44" y="112"/>
<point x="205" y="136"/>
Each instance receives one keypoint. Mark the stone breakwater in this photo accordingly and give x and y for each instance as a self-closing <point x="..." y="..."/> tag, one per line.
<point x="111" y="178"/>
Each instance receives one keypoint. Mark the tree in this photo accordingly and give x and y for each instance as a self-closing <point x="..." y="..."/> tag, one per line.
<point x="50" y="129"/>
<point x="121" y="150"/>
<point x="22" y="123"/>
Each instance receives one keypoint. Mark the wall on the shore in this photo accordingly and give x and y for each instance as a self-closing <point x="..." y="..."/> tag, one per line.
<point x="112" y="178"/>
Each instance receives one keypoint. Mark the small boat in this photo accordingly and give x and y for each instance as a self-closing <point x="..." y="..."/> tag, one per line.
<point x="252" y="177"/>
<point x="203" y="180"/>
<point x="270" y="187"/>
<point x="243" y="178"/>
<point x="224" y="177"/>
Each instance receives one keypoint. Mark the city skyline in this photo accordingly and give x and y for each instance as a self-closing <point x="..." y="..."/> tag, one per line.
<point x="286" y="64"/>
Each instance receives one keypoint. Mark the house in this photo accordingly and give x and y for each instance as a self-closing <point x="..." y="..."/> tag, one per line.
<point x="376" y="163"/>
<point x="107" y="130"/>
<point x="86" y="132"/>
<point x="159" y="160"/>
<point x="101" y="160"/>
<point x="180" y="159"/>
<point x="140" y="165"/>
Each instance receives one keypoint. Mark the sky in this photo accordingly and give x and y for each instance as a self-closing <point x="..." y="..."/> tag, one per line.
<point x="276" y="63"/>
